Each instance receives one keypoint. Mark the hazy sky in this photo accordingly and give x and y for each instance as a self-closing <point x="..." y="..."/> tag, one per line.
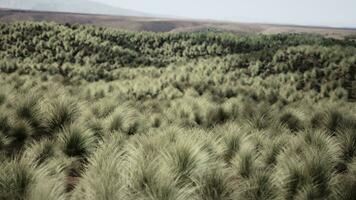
<point x="305" y="12"/>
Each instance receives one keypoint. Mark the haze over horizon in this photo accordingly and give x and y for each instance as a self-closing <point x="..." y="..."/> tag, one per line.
<point x="333" y="13"/>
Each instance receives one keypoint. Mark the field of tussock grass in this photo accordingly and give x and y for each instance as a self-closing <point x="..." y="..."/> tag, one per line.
<point x="192" y="116"/>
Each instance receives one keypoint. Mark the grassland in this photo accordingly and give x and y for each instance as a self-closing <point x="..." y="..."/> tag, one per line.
<point x="98" y="114"/>
<point x="164" y="24"/>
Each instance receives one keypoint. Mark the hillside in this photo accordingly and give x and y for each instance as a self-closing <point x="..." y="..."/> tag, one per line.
<point x="93" y="113"/>
<point x="73" y="6"/>
<point x="168" y="25"/>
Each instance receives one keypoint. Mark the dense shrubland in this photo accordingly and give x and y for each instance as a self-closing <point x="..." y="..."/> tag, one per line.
<point x="96" y="113"/>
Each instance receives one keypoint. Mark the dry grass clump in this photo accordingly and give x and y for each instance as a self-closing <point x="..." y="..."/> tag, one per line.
<point x="20" y="180"/>
<point x="197" y="112"/>
<point x="61" y="113"/>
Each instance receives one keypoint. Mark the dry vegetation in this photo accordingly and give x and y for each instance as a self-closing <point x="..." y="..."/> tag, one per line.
<point x="168" y="24"/>
<point x="96" y="114"/>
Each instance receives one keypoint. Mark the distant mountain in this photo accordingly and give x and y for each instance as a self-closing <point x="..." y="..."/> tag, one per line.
<point x="74" y="6"/>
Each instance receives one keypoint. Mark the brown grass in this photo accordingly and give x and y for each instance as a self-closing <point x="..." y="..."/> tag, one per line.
<point x="167" y="25"/>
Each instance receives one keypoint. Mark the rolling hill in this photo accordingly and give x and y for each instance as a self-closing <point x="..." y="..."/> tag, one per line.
<point x="75" y="6"/>
<point x="94" y="113"/>
<point x="141" y="22"/>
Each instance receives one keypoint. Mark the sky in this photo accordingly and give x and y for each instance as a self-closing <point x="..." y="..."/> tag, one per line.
<point x="338" y="13"/>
